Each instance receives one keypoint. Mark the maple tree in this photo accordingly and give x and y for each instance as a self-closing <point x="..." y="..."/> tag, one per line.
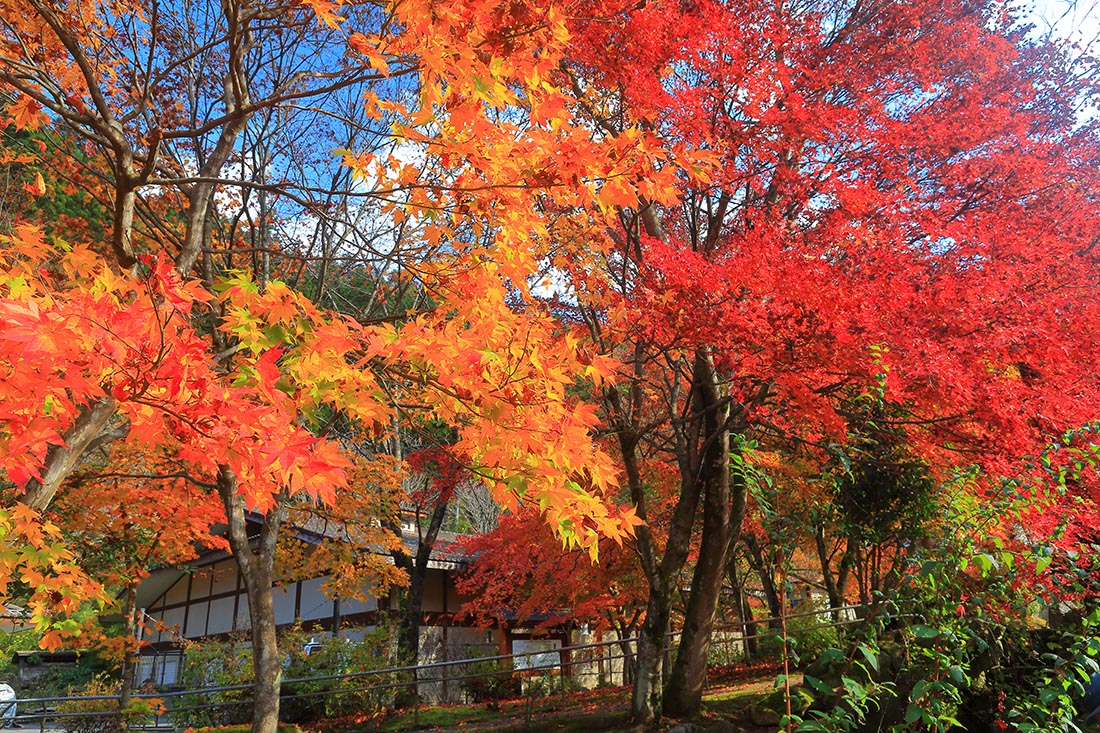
<point x="780" y="218"/>
<point x="122" y="525"/>
<point x="347" y="540"/>
<point x="37" y="568"/>
<point x="883" y="185"/>
<point x="169" y="96"/>
<point x="128" y="343"/>
<point x="1055" y="519"/>
<point x="521" y="575"/>
<point x="129" y="103"/>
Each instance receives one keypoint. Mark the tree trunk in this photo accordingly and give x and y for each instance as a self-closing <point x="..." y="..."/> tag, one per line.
<point x="763" y="570"/>
<point x="408" y="638"/>
<point x="661" y="574"/>
<point x="257" y="569"/>
<point x="645" y="706"/>
<point x="408" y="644"/>
<point x="744" y="611"/>
<point x="237" y="98"/>
<point x="835" y="583"/>
<point x="625" y="631"/>
<point x="684" y="692"/>
<point x="129" y="662"/>
<point x="723" y="511"/>
<point x="122" y="223"/>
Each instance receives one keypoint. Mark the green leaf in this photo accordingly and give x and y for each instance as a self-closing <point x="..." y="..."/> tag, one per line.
<point x="869" y="655"/>
<point x="925" y="632"/>
<point x="818" y="685"/>
<point x="957" y="674"/>
<point x="854" y="688"/>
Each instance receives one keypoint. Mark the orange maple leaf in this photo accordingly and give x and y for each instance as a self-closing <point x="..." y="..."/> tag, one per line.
<point x="27" y="114"/>
<point x="325" y="12"/>
<point x="51" y="641"/>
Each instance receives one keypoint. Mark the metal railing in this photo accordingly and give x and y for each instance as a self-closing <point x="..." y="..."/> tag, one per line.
<point x="541" y="688"/>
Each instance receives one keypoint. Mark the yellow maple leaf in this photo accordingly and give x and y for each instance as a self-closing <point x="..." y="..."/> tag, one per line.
<point x="37" y="187"/>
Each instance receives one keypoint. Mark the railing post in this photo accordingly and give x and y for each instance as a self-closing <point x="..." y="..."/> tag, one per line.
<point x="561" y="681"/>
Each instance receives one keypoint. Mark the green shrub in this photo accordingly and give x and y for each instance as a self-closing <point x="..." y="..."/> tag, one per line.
<point x="807" y="637"/>
<point x="63" y="681"/>
<point x="812" y="634"/>
<point x="548" y="685"/>
<point x="347" y="691"/>
<point x="99" y="716"/>
<point x="357" y="693"/>
<point x="491" y="679"/>
<point x="209" y="664"/>
<point x="56" y="681"/>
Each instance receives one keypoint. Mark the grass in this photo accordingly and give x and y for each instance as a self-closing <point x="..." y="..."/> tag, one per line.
<point x="605" y="709"/>
<point x="244" y="728"/>
<point x="592" y="710"/>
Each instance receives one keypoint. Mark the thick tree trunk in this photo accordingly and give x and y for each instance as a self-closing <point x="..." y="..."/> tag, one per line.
<point x="645" y="707"/>
<point x="408" y="643"/>
<point x="723" y="511"/>
<point x="645" y="703"/>
<point x="265" y="654"/>
<point x="661" y="571"/>
<point x="408" y="640"/>
<point x="684" y="692"/>
<point x="256" y="567"/>
<point x="122" y="224"/>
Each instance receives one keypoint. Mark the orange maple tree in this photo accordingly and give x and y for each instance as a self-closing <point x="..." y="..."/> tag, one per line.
<point x="123" y="523"/>
<point x="493" y="368"/>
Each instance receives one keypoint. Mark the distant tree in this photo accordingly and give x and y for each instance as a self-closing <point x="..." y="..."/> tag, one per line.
<point x="123" y="524"/>
<point x="521" y="575"/>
